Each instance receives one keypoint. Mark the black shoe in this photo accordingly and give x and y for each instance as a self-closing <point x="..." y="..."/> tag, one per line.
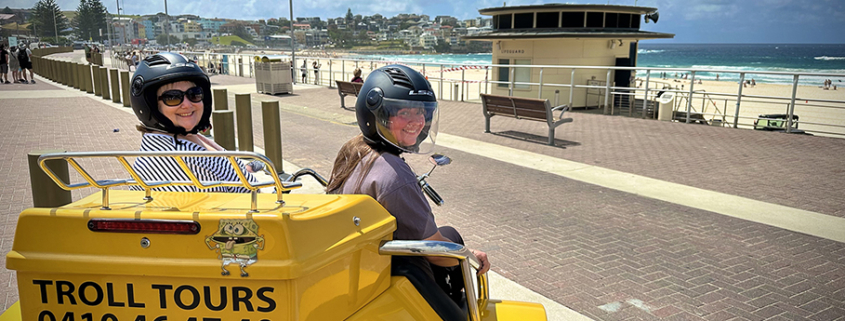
<point x="7" y="82"/>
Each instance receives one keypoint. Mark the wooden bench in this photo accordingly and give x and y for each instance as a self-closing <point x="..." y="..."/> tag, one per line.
<point x="347" y="88"/>
<point x="523" y="108"/>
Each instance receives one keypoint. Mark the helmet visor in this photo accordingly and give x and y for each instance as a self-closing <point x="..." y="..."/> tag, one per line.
<point x="409" y="125"/>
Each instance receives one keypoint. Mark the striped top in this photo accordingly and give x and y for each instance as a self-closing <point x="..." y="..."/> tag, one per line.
<point x="167" y="169"/>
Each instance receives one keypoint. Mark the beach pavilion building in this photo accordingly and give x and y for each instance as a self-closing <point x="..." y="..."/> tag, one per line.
<point x="564" y="35"/>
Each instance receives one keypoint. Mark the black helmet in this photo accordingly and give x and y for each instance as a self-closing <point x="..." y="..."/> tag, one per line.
<point x="387" y="91"/>
<point x="161" y="69"/>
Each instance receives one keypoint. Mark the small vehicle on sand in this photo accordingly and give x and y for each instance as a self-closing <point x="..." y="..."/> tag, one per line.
<point x="777" y="123"/>
<point x="137" y="255"/>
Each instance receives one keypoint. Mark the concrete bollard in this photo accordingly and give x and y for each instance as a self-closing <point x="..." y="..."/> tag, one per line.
<point x="83" y="83"/>
<point x="124" y="85"/>
<point x="272" y="133"/>
<point x="74" y="75"/>
<point x="98" y="83"/>
<point x="244" y="111"/>
<point x="104" y="81"/>
<point x="221" y="99"/>
<point x="223" y="122"/>
<point x="115" y="85"/>
<point x="80" y="78"/>
<point x="68" y="74"/>
<point x="89" y="82"/>
<point x="45" y="192"/>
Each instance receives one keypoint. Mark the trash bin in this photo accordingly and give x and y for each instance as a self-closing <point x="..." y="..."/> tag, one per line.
<point x="273" y="77"/>
<point x="666" y="108"/>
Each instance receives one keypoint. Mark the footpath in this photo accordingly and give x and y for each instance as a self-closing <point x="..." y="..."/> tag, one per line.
<point x="622" y="219"/>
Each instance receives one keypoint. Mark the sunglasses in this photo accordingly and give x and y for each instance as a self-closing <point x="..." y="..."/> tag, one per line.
<point x="175" y="98"/>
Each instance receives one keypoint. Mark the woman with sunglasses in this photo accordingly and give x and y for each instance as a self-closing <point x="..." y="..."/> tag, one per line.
<point x="171" y="96"/>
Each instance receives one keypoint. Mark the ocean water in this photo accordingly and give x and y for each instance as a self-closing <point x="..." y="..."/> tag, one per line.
<point x="748" y="58"/>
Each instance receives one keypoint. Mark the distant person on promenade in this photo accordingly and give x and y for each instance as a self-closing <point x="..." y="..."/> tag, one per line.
<point x="316" y="65"/>
<point x="357" y="74"/>
<point x="87" y="50"/>
<point x="14" y="65"/>
<point x="4" y="65"/>
<point x="25" y="60"/>
<point x="304" y="70"/>
<point x="172" y="100"/>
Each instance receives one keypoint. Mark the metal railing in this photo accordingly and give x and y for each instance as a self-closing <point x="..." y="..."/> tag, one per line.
<point x="731" y="109"/>
<point x="136" y="180"/>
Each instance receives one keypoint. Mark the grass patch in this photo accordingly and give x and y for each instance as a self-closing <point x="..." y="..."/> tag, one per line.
<point x="227" y="40"/>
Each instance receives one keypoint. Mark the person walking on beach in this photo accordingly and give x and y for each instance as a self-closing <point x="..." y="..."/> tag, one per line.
<point x="317" y="66"/>
<point x="304" y="70"/>
<point x="717" y="77"/>
<point x="753" y="82"/>
<point x="4" y="65"/>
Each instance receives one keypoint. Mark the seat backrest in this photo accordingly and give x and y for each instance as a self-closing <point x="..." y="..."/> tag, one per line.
<point x="531" y="108"/>
<point x="497" y="104"/>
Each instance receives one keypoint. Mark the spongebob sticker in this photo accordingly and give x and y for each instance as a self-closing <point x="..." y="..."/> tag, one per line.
<point x="236" y="242"/>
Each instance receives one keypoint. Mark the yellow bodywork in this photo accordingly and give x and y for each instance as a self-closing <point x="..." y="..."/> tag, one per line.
<point x="313" y="258"/>
<point x="313" y="263"/>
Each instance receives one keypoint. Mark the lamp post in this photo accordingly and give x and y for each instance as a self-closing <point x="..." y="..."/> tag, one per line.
<point x="292" y="43"/>
<point x="55" y="27"/>
<point x="167" y="19"/>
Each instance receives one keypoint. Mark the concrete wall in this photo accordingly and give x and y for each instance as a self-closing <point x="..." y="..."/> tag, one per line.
<point x="583" y="52"/>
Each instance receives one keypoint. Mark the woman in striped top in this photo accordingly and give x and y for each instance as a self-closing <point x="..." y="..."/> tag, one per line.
<point x="171" y="97"/>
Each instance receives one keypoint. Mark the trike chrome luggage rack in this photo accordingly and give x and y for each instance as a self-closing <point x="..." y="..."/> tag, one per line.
<point x="136" y="180"/>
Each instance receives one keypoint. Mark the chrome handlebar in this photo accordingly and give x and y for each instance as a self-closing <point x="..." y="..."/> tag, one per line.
<point x="467" y="260"/>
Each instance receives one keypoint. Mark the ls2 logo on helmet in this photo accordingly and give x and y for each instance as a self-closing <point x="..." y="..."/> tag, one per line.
<point x="421" y="93"/>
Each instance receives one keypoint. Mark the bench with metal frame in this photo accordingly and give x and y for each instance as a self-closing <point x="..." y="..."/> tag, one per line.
<point x="523" y="108"/>
<point x="347" y="88"/>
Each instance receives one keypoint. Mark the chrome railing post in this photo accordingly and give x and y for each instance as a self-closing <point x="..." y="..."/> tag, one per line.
<point x="645" y="97"/>
<point x="689" y="99"/>
<point x="463" y="83"/>
<point x="511" y="79"/>
<point x="330" y="74"/>
<point x="792" y="104"/>
<point x="571" y="88"/>
<point x="540" y="90"/>
<point x="739" y="98"/>
<point x="441" y="81"/>
<point x="607" y="93"/>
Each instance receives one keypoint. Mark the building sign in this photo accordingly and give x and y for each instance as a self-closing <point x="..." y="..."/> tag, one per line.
<point x="512" y="51"/>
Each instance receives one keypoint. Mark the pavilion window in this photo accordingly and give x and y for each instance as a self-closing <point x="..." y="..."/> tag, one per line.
<point x="549" y="19"/>
<point x="523" y="20"/>
<point x="595" y="19"/>
<point x="505" y="21"/>
<point x="504" y="73"/>
<point x="572" y="20"/>
<point x="625" y="20"/>
<point x="611" y="20"/>
<point x="522" y="74"/>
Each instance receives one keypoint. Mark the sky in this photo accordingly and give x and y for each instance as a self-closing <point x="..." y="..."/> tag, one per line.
<point x="692" y="21"/>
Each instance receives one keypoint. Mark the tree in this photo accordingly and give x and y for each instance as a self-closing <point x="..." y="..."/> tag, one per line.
<point x="90" y="19"/>
<point x="8" y="10"/>
<point x="162" y="39"/>
<point x="349" y="16"/>
<point x="189" y="40"/>
<point x="44" y="13"/>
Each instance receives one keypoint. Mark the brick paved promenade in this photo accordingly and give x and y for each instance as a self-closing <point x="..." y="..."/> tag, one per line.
<point x="605" y="253"/>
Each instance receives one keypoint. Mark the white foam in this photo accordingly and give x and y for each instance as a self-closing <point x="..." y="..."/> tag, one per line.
<point x="828" y="58"/>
